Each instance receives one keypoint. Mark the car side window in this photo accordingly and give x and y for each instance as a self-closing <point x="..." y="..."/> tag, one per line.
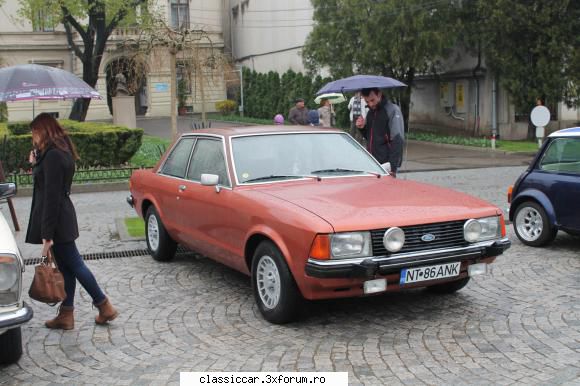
<point x="562" y="156"/>
<point x="208" y="158"/>
<point x="176" y="162"/>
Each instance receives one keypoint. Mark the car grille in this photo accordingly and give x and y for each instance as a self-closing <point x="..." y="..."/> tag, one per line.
<point x="447" y="234"/>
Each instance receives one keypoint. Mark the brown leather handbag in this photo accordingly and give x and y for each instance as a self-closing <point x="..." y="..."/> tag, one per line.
<point x="48" y="284"/>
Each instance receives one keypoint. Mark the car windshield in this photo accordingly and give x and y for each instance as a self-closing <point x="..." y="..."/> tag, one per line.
<point x="275" y="157"/>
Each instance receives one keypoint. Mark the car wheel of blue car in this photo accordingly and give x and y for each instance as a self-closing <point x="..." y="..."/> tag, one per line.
<point x="160" y="244"/>
<point x="274" y="288"/>
<point x="532" y="225"/>
<point x="11" y="346"/>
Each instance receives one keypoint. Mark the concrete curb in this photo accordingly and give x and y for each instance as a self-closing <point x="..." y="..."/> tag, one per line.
<point x="475" y="148"/>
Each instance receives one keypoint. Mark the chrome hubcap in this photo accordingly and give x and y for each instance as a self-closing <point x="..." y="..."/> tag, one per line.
<point x="529" y="224"/>
<point x="268" y="282"/>
<point x="153" y="232"/>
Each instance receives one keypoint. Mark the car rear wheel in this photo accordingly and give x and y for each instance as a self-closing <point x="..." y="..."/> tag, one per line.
<point x="274" y="287"/>
<point x="532" y="225"/>
<point x="160" y="244"/>
<point x="11" y="346"/>
<point x="449" y="287"/>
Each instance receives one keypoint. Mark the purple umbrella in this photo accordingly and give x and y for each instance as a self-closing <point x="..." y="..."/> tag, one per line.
<point x="358" y="82"/>
<point x="32" y="81"/>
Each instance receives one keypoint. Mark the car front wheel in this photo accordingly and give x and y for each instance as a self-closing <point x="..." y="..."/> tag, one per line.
<point x="274" y="288"/>
<point x="11" y="346"/>
<point x="160" y="244"/>
<point x="532" y="225"/>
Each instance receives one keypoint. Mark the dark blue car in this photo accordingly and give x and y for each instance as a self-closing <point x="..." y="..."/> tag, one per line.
<point x="546" y="197"/>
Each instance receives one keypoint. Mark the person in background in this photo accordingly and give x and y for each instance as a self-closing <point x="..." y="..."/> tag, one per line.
<point x="326" y="113"/>
<point x="298" y="114"/>
<point x="313" y="118"/>
<point x="357" y="106"/>
<point x="383" y="129"/>
<point x="53" y="221"/>
<point x="278" y="119"/>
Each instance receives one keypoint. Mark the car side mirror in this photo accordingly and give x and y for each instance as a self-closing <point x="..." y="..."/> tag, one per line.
<point x="387" y="167"/>
<point x="211" y="180"/>
<point x="7" y="190"/>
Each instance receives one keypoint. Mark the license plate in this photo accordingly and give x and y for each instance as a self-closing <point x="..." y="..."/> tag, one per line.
<point x="433" y="272"/>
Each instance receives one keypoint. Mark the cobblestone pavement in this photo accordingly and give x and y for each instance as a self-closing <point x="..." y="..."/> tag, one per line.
<point x="519" y="325"/>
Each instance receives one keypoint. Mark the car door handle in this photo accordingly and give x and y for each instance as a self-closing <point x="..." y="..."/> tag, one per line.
<point x="182" y="188"/>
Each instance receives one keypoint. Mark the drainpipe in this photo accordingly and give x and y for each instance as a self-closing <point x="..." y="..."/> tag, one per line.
<point x="493" y="111"/>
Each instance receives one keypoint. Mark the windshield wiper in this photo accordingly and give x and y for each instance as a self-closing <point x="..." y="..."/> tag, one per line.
<point x="275" y="176"/>
<point x="341" y="170"/>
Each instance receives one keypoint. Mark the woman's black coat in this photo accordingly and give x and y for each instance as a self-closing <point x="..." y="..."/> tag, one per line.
<point x="52" y="215"/>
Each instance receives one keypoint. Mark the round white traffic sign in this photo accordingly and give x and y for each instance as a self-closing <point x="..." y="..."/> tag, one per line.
<point x="540" y="116"/>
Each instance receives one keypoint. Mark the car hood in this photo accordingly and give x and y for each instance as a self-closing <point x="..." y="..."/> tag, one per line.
<point x="367" y="202"/>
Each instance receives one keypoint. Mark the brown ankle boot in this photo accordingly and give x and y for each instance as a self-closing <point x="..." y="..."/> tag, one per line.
<point x="106" y="312"/>
<point x="64" y="320"/>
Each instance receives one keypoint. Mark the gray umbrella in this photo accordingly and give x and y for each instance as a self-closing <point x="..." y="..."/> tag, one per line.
<point x="33" y="81"/>
<point x="358" y="82"/>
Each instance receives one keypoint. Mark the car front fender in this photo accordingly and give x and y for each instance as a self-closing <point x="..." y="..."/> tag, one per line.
<point x="539" y="197"/>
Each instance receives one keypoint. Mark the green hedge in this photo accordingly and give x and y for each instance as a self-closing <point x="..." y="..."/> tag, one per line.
<point x="98" y="144"/>
<point x="19" y="127"/>
<point x="266" y="95"/>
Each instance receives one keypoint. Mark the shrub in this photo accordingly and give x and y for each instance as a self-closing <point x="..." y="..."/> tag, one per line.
<point x="226" y="107"/>
<point x="98" y="144"/>
<point x="19" y="127"/>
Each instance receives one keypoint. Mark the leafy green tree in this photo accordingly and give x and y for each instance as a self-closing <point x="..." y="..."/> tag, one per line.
<point x="93" y="21"/>
<point x="532" y="46"/>
<point x="396" y="38"/>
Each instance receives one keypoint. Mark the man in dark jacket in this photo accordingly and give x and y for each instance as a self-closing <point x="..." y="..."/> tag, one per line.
<point x="298" y="114"/>
<point x="383" y="128"/>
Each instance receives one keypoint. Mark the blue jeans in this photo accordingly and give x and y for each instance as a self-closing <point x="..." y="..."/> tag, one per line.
<point x="73" y="267"/>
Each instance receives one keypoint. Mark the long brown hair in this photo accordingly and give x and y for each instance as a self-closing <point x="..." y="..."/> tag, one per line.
<point x="50" y="133"/>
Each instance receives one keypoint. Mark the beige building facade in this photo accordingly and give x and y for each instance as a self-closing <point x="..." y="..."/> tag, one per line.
<point x="23" y="43"/>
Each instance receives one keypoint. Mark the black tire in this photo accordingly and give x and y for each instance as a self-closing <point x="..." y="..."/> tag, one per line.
<point x="449" y="287"/>
<point x="532" y="225"/>
<point x="164" y="248"/>
<point x="11" y="346"/>
<point x="268" y="262"/>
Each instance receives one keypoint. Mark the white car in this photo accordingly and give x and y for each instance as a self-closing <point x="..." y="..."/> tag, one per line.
<point x="13" y="311"/>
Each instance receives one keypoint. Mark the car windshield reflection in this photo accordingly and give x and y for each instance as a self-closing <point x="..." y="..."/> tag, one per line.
<point x="279" y="157"/>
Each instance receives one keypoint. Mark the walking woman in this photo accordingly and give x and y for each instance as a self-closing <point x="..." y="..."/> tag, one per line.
<point x="53" y="221"/>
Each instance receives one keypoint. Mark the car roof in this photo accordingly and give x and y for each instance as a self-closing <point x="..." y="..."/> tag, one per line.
<point x="267" y="129"/>
<point x="569" y="132"/>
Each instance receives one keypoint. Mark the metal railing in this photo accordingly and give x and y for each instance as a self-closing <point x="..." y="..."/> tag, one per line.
<point x="82" y="176"/>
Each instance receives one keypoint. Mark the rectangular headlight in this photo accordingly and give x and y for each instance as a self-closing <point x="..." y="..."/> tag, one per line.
<point x="350" y="244"/>
<point x="490" y="228"/>
<point x="9" y="279"/>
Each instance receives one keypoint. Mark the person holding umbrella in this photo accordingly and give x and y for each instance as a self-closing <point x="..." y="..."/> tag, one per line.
<point x="326" y="113"/>
<point x="383" y="128"/>
<point x="53" y="221"/>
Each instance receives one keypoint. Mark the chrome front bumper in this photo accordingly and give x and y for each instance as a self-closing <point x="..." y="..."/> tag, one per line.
<point x="382" y="265"/>
<point x="15" y="318"/>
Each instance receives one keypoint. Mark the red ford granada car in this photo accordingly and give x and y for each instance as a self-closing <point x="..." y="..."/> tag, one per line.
<point x="309" y="214"/>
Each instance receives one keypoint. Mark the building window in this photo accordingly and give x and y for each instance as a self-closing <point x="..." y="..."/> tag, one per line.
<point x="180" y="14"/>
<point x="43" y="22"/>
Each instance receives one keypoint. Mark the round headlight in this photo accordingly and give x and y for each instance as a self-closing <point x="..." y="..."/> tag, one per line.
<point x="472" y="231"/>
<point x="394" y="239"/>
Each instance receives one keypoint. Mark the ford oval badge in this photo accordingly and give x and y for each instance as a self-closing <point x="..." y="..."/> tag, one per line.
<point x="427" y="237"/>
